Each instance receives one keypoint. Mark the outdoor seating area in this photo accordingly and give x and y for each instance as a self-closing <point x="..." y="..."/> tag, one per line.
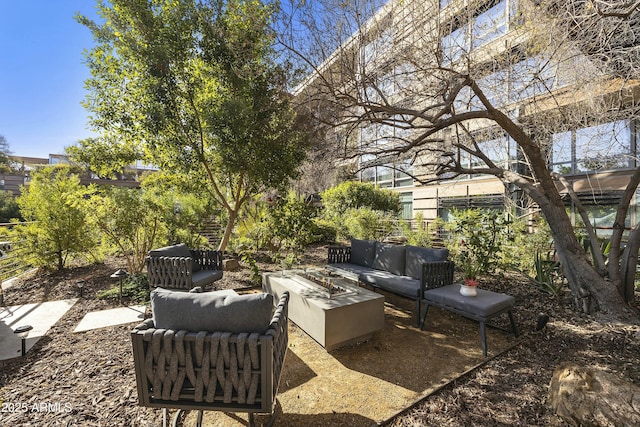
<point x="401" y="269"/>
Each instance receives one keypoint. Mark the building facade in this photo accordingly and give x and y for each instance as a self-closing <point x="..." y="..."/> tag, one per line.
<point x="398" y="75"/>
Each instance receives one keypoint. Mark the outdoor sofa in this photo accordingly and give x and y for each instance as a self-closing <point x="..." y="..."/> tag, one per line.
<point x="403" y="270"/>
<point x="178" y="267"/>
<point x="211" y="351"/>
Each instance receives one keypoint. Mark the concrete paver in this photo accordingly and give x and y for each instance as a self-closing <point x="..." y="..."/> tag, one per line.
<point x="112" y="317"/>
<point x="41" y="316"/>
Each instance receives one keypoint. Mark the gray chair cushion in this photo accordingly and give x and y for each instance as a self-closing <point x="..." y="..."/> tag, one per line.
<point x="390" y="258"/>
<point x="417" y="256"/>
<point x="205" y="277"/>
<point x="363" y="252"/>
<point x="211" y="312"/>
<point x="484" y="304"/>
<point x="180" y="250"/>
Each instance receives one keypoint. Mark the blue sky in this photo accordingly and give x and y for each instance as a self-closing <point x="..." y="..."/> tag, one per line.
<point x="42" y="74"/>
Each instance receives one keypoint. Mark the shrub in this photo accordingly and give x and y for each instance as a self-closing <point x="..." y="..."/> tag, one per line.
<point x="57" y="230"/>
<point x="134" y="287"/>
<point x="480" y="234"/>
<point x="367" y="223"/>
<point x="353" y="195"/>
<point x="422" y="235"/>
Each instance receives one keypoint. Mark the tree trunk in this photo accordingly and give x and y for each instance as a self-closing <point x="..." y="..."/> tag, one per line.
<point x="629" y="264"/>
<point x="592" y="292"/>
<point x="233" y="215"/>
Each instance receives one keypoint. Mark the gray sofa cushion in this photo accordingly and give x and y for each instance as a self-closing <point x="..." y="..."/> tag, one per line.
<point x="390" y="258"/>
<point x="402" y="285"/>
<point x="363" y="252"/>
<point x="211" y="312"/>
<point x="417" y="256"/>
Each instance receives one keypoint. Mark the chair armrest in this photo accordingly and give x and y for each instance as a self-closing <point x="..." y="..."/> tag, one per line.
<point x="207" y="259"/>
<point x="339" y="254"/>
<point x="436" y="274"/>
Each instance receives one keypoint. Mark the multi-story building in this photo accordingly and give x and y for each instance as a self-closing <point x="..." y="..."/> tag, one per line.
<point x="393" y="82"/>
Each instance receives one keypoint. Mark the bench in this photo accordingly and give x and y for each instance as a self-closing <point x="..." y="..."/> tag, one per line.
<point x="180" y="268"/>
<point x="211" y="352"/>
<point x="403" y="270"/>
<point x="483" y="307"/>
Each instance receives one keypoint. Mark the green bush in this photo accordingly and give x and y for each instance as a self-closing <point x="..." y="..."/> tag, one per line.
<point x="324" y="231"/>
<point x="354" y="195"/>
<point x="422" y="235"/>
<point x="367" y="223"/>
<point x="480" y="235"/>
<point x="57" y="229"/>
<point x="134" y="287"/>
<point x="289" y="223"/>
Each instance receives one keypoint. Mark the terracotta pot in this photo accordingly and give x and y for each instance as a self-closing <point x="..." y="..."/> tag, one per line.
<point x="468" y="291"/>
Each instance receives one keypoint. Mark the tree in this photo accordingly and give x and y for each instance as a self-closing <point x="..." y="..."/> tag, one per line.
<point x="55" y="229"/>
<point x="9" y="208"/>
<point x="481" y="89"/>
<point x="196" y="88"/>
<point x="5" y="162"/>
<point x="128" y="221"/>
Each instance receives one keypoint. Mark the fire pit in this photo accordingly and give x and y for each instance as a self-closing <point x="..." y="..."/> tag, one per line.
<point x="331" y="309"/>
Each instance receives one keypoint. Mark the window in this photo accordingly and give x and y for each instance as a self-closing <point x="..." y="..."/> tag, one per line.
<point x="531" y="77"/>
<point x="601" y="147"/>
<point x="486" y="26"/>
<point x="490" y="25"/>
<point x="406" y="205"/>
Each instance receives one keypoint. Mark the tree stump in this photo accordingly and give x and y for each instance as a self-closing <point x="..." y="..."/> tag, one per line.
<point x="586" y="396"/>
<point x="230" y="265"/>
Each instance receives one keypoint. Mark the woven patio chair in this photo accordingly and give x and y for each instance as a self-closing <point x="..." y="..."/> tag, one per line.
<point x="180" y="268"/>
<point x="234" y="366"/>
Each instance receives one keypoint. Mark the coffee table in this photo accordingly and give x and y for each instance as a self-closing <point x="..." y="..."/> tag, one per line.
<point x="346" y="315"/>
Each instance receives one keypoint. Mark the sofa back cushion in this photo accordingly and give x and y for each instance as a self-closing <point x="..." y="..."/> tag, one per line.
<point x="210" y="311"/>
<point x="390" y="258"/>
<point x="363" y="252"/>
<point x="417" y="256"/>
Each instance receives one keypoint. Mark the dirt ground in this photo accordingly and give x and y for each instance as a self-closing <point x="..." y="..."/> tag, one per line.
<point x="92" y="371"/>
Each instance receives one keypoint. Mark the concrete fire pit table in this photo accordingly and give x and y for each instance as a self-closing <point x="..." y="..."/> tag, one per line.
<point x="350" y="315"/>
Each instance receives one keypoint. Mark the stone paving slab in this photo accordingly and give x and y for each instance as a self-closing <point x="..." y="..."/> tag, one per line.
<point x="112" y="317"/>
<point x="39" y="315"/>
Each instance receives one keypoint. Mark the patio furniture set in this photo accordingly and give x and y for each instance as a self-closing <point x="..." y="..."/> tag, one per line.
<point x="222" y="351"/>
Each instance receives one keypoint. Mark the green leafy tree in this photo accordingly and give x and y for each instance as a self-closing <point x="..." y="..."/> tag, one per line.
<point x="56" y="229"/>
<point x="130" y="223"/>
<point x="5" y="161"/>
<point x="195" y="87"/>
<point x="9" y="208"/>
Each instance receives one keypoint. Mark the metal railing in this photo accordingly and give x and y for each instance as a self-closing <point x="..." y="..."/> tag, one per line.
<point x="15" y="258"/>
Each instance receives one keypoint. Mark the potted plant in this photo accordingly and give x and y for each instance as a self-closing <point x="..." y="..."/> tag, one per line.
<point x="470" y="268"/>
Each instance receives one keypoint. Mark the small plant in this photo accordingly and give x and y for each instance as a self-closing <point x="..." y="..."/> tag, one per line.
<point x="135" y="287"/>
<point x="247" y="258"/>
<point x="470" y="265"/>
<point x="548" y="276"/>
